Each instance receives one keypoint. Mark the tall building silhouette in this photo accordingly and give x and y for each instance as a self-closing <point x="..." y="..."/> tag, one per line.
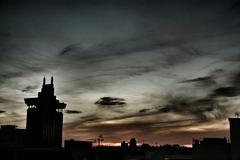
<point x="235" y="137"/>
<point x="45" y="118"/>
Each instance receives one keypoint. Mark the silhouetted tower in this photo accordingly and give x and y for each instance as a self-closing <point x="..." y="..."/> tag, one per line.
<point x="133" y="143"/>
<point x="45" y="118"/>
<point x="235" y="137"/>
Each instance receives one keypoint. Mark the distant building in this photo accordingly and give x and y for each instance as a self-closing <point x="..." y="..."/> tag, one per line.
<point x="211" y="149"/>
<point x="10" y="136"/>
<point x="235" y="137"/>
<point x="133" y="143"/>
<point x="78" y="145"/>
<point x="45" y="118"/>
<point x="79" y="149"/>
<point x="124" y="145"/>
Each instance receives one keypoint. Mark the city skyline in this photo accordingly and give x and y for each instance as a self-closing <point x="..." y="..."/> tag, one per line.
<point x="153" y="70"/>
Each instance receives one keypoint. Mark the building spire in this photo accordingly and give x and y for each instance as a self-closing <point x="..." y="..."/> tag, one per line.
<point x="44" y="80"/>
<point x="52" y="80"/>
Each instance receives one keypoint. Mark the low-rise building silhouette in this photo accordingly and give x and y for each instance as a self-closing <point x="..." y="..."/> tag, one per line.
<point x="124" y="145"/>
<point x="11" y="136"/>
<point x="211" y="149"/>
<point x="78" y="145"/>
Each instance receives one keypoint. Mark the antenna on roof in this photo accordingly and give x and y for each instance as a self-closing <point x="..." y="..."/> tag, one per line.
<point x="237" y="115"/>
<point x="44" y="80"/>
<point x="52" y="80"/>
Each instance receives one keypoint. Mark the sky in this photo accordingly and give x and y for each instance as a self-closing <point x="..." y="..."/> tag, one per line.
<point x="161" y="71"/>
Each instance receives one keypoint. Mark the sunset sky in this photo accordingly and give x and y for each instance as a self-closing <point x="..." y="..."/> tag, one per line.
<point x="170" y="69"/>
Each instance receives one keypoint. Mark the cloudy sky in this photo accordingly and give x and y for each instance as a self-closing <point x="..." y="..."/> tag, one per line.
<point x="162" y="71"/>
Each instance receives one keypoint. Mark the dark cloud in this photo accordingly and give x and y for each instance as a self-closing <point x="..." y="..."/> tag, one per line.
<point x="231" y="90"/>
<point x="136" y="45"/>
<point x="227" y="91"/>
<point x="217" y="71"/>
<point x="204" y="109"/>
<point x="90" y="118"/>
<point x="209" y="80"/>
<point x="132" y="45"/>
<point x="72" y="111"/>
<point x="2" y="111"/>
<point x="164" y="109"/>
<point x="202" y="81"/>
<point x="70" y="49"/>
<point x="185" y="106"/>
<point x="29" y="89"/>
<point x="144" y="110"/>
<point x="110" y="101"/>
